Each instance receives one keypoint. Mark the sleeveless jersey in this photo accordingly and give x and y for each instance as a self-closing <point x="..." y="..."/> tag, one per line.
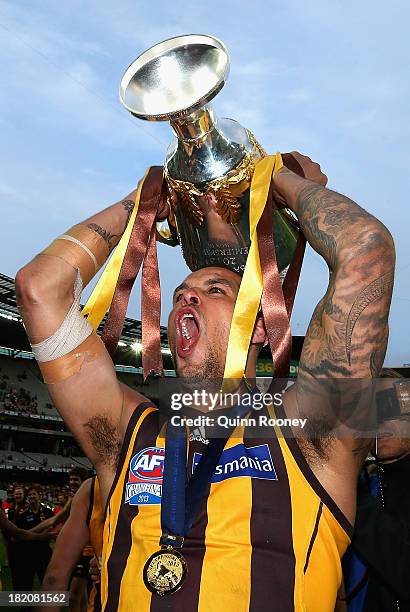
<point x="95" y="522"/>
<point x="267" y="535"/>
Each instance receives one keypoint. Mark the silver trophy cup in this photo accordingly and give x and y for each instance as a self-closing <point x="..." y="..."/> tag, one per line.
<point x="210" y="163"/>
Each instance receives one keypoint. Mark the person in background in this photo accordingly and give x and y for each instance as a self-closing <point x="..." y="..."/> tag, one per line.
<point x="7" y="504"/>
<point x="19" y="506"/>
<point x="76" y="477"/>
<point x="30" y="558"/>
<point x="19" y="503"/>
<point x="381" y="540"/>
<point x="62" y="499"/>
<point x="10" y="530"/>
<point x="83" y="530"/>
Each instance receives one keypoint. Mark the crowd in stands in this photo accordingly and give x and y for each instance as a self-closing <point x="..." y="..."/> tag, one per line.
<point x="17" y="400"/>
<point x="53" y="496"/>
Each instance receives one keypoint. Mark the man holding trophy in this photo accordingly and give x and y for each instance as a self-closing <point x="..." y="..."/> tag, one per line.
<point x="185" y="529"/>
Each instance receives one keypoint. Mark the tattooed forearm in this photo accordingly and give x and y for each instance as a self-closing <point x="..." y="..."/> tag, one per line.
<point x="379" y="287"/>
<point x="129" y="207"/>
<point x="331" y="221"/>
<point x="110" y="239"/>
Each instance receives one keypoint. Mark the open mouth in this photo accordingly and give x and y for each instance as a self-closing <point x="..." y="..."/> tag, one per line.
<point x="188" y="331"/>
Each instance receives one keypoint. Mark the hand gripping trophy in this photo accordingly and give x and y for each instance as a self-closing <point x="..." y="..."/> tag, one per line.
<point x="214" y="193"/>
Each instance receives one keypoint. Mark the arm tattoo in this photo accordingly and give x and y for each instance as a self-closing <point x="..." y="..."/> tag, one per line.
<point x="347" y="335"/>
<point x="109" y="238"/>
<point x="371" y="293"/>
<point x="330" y="221"/>
<point x="129" y="207"/>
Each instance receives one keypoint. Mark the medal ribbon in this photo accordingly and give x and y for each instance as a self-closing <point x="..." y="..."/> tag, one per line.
<point x="181" y="501"/>
<point x="250" y="291"/>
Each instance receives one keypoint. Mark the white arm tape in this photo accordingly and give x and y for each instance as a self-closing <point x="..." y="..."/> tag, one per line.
<point x="72" y="332"/>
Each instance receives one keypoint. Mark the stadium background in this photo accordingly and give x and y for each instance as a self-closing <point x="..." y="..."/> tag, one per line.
<point x="35" y="446"/>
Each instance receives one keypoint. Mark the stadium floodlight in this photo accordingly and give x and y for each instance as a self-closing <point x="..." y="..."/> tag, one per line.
<point x="136" y="346"/>
<point x="122" y="343"/>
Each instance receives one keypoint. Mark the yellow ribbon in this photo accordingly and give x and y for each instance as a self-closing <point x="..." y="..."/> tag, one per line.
<point x="101" y="297"/>
<point x="250" y="291"/>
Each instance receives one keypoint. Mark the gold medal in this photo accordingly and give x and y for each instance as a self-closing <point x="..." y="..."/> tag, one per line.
<point x="165" y="571"/>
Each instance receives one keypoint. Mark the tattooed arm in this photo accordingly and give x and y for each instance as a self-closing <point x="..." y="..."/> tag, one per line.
<point x="347" y="335"/>
<point x="110" y="224"/>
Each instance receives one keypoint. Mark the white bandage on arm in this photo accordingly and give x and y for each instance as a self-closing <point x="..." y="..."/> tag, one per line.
<point x="72" y="332"/>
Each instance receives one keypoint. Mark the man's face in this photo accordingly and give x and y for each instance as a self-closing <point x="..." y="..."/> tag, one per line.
<point x="62" y="498"/>
<point x="200" y="320"/>
<point x="393" y="439"/>
<point x="18" y="495"/>
<point x="74" y="482"/>
<point x="33" y="497"/>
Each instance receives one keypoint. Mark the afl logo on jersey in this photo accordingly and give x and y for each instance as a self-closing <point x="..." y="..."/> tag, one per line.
<point x="144" y="485"/>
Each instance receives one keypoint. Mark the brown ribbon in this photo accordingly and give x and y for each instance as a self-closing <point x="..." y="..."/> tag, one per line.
<point x="290" y="284"/>
<point x="273" y="302"/>
<point x="151" y="311"/>
<point x="277" y="299"/>
<point x="141" y="248"/>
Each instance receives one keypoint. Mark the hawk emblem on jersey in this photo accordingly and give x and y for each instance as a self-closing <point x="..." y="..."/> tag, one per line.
<point x="144" y="485"/>
<point x="239" y="460"/>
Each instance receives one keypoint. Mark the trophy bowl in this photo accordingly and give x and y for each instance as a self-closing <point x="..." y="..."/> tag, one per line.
<point x="175" y="77"/>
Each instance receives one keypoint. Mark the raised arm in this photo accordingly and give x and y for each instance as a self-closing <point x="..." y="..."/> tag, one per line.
<point x="78" y="370"/>
<point x="347" y="335"/>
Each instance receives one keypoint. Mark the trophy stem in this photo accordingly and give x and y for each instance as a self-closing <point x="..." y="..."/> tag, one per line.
<point x="194" y="126"/>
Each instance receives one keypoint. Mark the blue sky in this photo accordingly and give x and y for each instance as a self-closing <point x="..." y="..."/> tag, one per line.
<point x="328" y="78"/>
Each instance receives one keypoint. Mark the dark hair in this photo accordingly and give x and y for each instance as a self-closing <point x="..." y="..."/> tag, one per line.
<point x="78" y="471"/>
<point x="35" y="488"/>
